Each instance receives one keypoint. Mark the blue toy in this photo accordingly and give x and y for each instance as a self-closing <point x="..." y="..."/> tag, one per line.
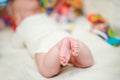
<point x="114" y="41"/>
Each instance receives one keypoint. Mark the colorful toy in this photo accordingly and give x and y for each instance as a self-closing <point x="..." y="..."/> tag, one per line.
<point x="68" y="10"/>
<point x="48" y="5"/>
<point x="63" y="12"/>
<point x="6" y="15"/>
<point x="103" y="30"/>
<point x="96" y="18"/>
<point x="3" y="3"/>
<point x="77" y="5"/>
<point x="8" y="20"/>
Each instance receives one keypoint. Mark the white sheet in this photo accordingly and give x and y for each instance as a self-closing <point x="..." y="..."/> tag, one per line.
<point x="17" y="64"/>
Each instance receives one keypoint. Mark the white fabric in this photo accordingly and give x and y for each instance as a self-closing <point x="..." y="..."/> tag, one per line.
<point x="40" y="33"/>
<point x="16" y="64"/>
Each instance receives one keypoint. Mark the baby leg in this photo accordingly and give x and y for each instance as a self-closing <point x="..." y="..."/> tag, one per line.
<point x="49" y="64"/>
<point x="65" y="51"/>
<point x="81" y="55"/>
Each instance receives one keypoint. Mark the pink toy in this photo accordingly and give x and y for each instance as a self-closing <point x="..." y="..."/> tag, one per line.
<point x="67" y="10"/>
<point x="63" y="11"/>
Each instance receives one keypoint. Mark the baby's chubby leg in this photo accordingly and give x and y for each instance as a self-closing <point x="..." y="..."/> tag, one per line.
<point x="81" y="56"/>
<point x="67" y="50"/>
<point x="49" y="64"/>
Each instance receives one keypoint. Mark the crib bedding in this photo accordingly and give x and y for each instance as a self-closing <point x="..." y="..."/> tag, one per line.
<point x="17" y="64"/>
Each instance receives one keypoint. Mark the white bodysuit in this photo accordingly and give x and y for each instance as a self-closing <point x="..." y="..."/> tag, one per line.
<point x="39" y="33"/>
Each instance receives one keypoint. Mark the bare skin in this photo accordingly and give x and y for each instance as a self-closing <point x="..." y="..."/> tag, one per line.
<point x="66" y="51"/>
<point x="25" y="8"/>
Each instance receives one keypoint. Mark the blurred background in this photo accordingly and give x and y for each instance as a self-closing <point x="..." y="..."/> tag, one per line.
<point x="107" y="8"/>
<point x="68" y="11"/>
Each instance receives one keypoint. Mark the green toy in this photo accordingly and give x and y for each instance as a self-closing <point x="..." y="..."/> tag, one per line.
<point x="48" y="5"/>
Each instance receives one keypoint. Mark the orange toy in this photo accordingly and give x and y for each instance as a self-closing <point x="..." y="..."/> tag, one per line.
<point x="96" y="18"/>
<point x="76" y="3"/>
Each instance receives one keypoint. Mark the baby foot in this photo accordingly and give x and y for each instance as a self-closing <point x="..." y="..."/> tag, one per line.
<point x="63" y="61"/>
<point x="75" y="47"/>
<point x="65" y="52"/>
